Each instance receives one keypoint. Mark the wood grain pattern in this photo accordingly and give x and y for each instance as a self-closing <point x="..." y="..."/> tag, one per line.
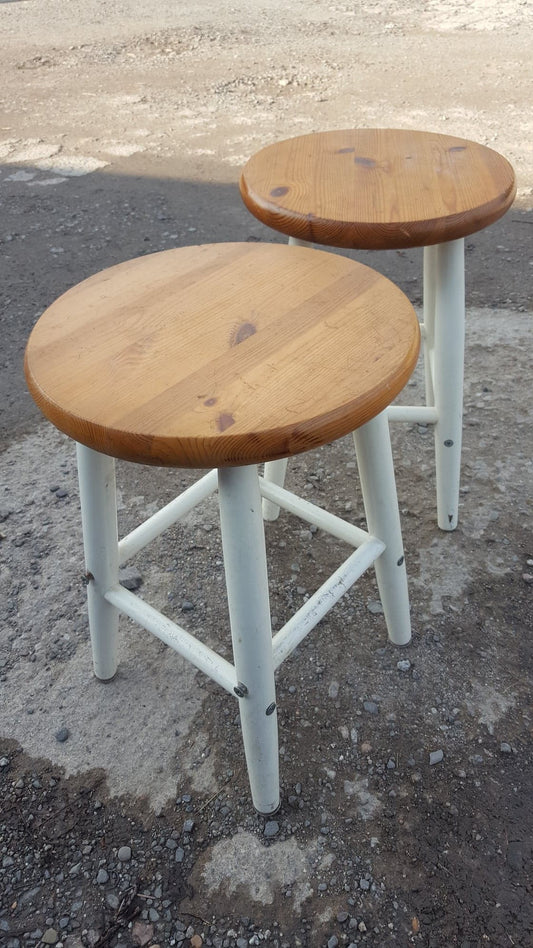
<point x="375" y="189"/>
<point x="222" y="354"/>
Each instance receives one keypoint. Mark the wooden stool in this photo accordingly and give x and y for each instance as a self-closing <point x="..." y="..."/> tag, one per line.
<point x="381" y="189"/>
<point x="225" y="356"/>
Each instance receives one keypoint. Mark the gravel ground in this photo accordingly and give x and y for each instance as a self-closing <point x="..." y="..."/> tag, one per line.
<point x="406" y="774"/>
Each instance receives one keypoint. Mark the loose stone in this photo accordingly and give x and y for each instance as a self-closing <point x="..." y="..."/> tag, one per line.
<point x="375" y="608"/>
<point x="142" y="933"/>
<point x="62" y="735"/>
<point x="188" y="826"/>
<point x="271" y="828"/>
<point x="102" y="877"/>
<point x="333" y="689"/>
<point x="333" y="942"/>
<point x="179" y="854"/>
<point x="435" y="757"/>
<point x="404" y="665"/>
<point x="130" y="578"/>
<point x="124" y="853"/>
<point x="506" y="748"/>
<point x="370" y="707"/>
<point x="50" y="937"/>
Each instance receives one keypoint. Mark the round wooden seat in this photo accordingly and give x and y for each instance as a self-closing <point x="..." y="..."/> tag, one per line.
<point x="377" y="189"/>
<point x="221" y="355"/>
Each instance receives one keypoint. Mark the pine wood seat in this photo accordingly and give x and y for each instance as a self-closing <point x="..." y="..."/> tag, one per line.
<point x="377" y="189"/>
<point x="386" y="189"/>
<point x="221" y="355"/>
<point x="229" y="355"/>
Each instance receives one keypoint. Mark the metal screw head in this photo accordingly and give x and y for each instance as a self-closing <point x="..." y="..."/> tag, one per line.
<point x="448" y="443"/>
<point x="271" y="708"/>
<point x="240" y="690"/>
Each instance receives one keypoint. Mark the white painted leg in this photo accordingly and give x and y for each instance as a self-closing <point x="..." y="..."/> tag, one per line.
<point x="296" y="242"/>
<point x="376" y="470"/>
<point x="448" y="378"/>
<point x="428" y="336"/>
<point x="243" y="543"/>
<point x="274" y="473"/>
<point x="96" y="474"/>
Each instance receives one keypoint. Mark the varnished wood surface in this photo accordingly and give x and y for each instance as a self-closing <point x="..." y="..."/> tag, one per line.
<point x="222" y="354"/>
<point x="376" y="189"/>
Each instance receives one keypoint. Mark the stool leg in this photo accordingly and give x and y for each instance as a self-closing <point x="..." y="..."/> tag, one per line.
<point x="448" y="377"/>
<point x="243" y="543"/>
<point x="430" y="267"/>
<point x="275" y="471"/>
<point x="96" y="474"/>
<point x="376" y="470"/>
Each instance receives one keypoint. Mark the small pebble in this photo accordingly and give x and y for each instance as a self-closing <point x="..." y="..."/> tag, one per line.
<point x="124" y="853"/>
<point x="271" y="829"/>
<point x="333" y="689"/>
<point x="404" y="665"/>
<point x="62" y="735"/>
<point x="188" y="826"/>
<point x="333" y="942"/>
<point x="370" y="707"/>
<point x="50" y="937"/>
<point x="4" y="762"/>
<point x="179" y="854"/>
<point x="187" y="605"/>
<point x="506" y="748"/>
<point x="435" y="757"/>
<point x="375" y="608"/>
<point x="130" y="578"/>
<point x="102" y="877"/>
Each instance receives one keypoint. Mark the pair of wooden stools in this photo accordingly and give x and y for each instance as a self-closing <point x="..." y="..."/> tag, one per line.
<point x="225" y="356"/>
